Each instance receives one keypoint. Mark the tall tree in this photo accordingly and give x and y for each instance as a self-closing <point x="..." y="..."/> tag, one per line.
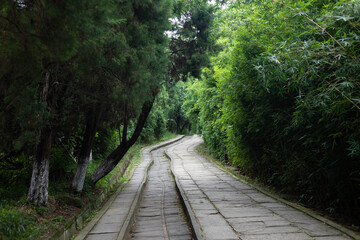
<point x="99" y="59"/>
<point x="190" y="43"/>
<point x="110" y="162"/>
<point x="93" y="119"/>
<point x="145" y="69"/>
<point x="35" y="50"/>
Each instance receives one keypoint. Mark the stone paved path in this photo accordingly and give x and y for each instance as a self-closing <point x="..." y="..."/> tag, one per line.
<point x="217" y="205"/>
<point x="160" y="214"/>
<point x="114" y="220"/>
<point x="225" y="208"/>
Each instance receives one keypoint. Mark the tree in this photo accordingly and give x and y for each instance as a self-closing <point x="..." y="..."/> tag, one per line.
<point x="190" y="47"/>
<point x="190" y="38"/>
<point x="177" y="121"/>
<point x="100" y="58"/>
<point x="93" y="119"/>
<point x="143" y="72"/>
<point x="156" y="125"/>
<point x="34" y="53"/>
<point x="101" y="64"/>
<point x="110" y="162"/>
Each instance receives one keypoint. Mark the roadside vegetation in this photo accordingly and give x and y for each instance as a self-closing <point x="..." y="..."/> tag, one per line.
<point x="19" y="219"/>
<point x="280" y="101"/>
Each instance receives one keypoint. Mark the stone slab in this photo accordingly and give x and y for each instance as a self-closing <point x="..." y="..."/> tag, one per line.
<point x="225" y="207"/>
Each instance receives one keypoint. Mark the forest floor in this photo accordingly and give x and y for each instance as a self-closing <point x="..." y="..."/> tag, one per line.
<point x="59" y="211"/>
<point x="22" y="220"/>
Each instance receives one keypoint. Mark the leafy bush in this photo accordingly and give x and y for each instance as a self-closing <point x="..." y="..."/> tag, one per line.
<point x="282" y="98"/>
<point x="61" y="163"/>
<point x="156" y="124"/>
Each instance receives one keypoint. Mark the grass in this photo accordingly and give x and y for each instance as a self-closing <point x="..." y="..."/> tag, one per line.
<point x="15" y="224"/>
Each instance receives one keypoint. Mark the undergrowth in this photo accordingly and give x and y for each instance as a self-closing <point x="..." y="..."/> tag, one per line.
<point x="20" y="219"/>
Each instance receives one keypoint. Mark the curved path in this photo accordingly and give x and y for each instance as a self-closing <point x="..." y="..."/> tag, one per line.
<point x="160" y="214"/>
<point x="217" y="205"/>
<point x="225" y="208"/>
<point x="115" y="219"/>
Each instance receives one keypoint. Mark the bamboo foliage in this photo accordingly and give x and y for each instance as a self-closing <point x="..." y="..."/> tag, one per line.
<point x="285" y="84"/>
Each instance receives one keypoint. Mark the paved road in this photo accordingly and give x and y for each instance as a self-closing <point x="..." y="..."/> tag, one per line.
<point x="160" y="214"/>
<point x="114" y="220"/>
<point x="225" y="208"/>
<point x="217" y="205"/>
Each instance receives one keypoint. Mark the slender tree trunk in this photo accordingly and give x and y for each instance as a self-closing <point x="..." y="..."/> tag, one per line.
<point x="110" y="162"/>
<point x="92" y="122"/>
<point x="38" y="191"/>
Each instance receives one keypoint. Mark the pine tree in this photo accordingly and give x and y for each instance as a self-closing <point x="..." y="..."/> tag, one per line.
<point x="190" y="43"/>
<point x="37" y="38"/>
<point x="145" y="69"/>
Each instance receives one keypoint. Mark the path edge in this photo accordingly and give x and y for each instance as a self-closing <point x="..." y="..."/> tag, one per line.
<point x="350" y="233"/>
<point x="196" y="231"/>
<point x="72" y="226"/>
<point x="126" y="227"/>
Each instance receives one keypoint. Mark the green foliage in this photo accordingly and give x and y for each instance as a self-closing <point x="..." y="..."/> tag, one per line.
<point x="61" y="61"/>
<point x="311" y="82"/>
<point x="15" y="224"/>
<point x="203" y="99"/>
<point x="190" y="38"/>
<point x="107" y="140"/>
<point x="189" y="105"/>
<point x="62" y="163"/>
<point x="15" y="173"/>
<point x="177" y="122"/>
<point x="281" y="98"/>
<point x="155" y="126"/>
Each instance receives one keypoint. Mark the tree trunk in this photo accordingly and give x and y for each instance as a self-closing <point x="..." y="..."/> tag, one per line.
<point x="92" y="122"/>
<point x="38" y="191"/>
<point x="110" y="162"/>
